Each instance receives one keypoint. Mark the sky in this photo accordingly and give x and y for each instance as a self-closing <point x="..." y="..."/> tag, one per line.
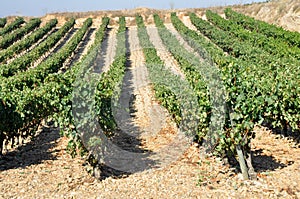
<point x="41" y="7"/>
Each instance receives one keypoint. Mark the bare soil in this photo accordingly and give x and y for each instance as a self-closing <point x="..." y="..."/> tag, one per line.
<point x="108" y="50"/>
<point x="150" y="118"/>
<point x="42" y="168"/>
<point x="111" y="42"/>
<point x="82" y="48"/>
<point x="162" y="52"/>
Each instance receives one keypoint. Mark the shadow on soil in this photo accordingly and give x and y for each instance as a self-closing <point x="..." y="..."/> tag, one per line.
<point x="260" y="162"/>
<point x="126" y="138"/>
<point x="291" y="135"/>
<point x="100" y="60"/>
<point x="32" y="153"/>
<point x="287" y="132"/>
<point x="82" y="45"/>
<point x="263" y="163"/>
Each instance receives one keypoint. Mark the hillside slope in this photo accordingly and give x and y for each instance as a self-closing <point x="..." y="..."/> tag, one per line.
<point x="285" y="13"/>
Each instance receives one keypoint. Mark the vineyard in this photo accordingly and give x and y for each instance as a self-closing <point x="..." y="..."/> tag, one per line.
<point x="130" y="95"/>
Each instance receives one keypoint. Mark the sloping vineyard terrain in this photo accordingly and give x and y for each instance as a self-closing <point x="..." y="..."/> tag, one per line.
<point x="157" y="105"/>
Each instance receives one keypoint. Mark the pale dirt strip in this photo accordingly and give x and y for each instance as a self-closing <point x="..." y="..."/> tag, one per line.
<point x="186" y="20"/>
<point x="150" y="116"/>
<point x="111" y="42"/>
<point x="162" y="52"/>
<point x="81" y="48"/>
<point x="89" y="41"/>
<point x="45" y="170"/>
<point x="140" y="81"/>
<point x="107" y="51"/>
<point x="86" y="42"/>
<point x="182" y="42"/>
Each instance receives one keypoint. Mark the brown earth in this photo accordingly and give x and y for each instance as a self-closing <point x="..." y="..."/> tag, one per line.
<point x="43" y="169"/>
<point x="285" y="13"/>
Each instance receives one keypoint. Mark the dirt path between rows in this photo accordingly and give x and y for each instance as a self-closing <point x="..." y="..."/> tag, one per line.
<point x="111" y="43"/>
<point x="148" y="115"/>
<point x="183" y="43"/>
<point x="147" y="120"/>
<point x="53" y="30"/>
<point x="80" y="50"/>
<point x="162" y="52"/>
<point x="43" y="169"/>
<point x="186" y="20"/>
<point x="67" y="37"/>
<point x="107" y="52"/>
<point x="83" y="46"/>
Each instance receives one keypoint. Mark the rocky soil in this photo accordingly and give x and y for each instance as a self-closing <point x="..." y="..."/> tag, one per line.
<point x="42" y="168"/>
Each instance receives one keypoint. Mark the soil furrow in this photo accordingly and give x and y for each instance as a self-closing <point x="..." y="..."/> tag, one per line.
<point x="42" y="168"/>
<point x="111" y="49"/>
<point x="183" y="43"/>
<point x="149" y="115"/>
<point x="82" y="48"/>
<point x="162" y="52"/>
<point x="187" y="22"/>
<point x="107" y="51"/>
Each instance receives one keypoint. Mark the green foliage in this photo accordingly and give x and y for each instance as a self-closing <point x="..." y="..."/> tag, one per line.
<point x="12" y="26"/>
<point x="235" y="127"/>
<point x="270" y="30"/>
<point x="26" y="42"/>
<point x="24" y="104"/>
<point x="277" y="48"/>
<point x="19" y="33"/>
<point x="259" y="69"/>
<point x="2" y="22"/>
<point x="190" y="65"/>
<point x="175" y="94"/>
<point x="22" y="63"/>
<point x="111" y="81"/>
<point x="153" y="62"/>
<point x="264" y="80"/>
<point x="64" y="116"/>
<point x="251" y="84"/>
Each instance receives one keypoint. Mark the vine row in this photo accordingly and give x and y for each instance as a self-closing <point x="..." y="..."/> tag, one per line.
<point x="12" y="26"/>
<point x="19" y="33"/>
<point x="24" y="62"/>
<point x="25" y="43"/>
<point x="270" y="30"/>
